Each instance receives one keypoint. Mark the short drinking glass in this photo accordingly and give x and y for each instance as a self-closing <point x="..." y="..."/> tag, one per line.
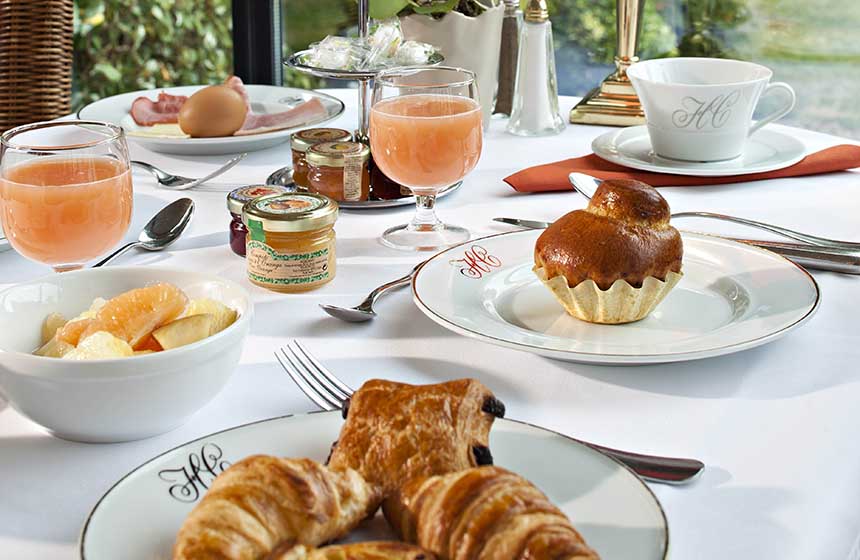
<point x="65" y="190"/>
<point x="426" y="134"/>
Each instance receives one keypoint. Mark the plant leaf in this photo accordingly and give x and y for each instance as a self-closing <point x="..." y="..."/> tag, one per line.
<point x="435" y="7"/>
<point x="383" y="9"/>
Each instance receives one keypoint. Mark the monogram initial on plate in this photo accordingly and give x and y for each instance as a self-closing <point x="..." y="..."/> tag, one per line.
<point x="190" y="481"/>
<point x="476" y="262"/>
<point x="700" y="113"/>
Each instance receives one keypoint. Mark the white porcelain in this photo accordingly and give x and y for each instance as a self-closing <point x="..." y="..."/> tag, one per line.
<point x="138" y="518"/>
<point x="767" y="150"/>
<point x="119" y="399"/>
<point x="700" y="109"/>
<point x="264" y="99"/>
<point x="732" y="297"/>
<point x="473" y="43"/>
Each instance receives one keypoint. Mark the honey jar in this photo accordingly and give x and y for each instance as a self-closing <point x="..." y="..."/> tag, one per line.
<point x="291" y="241"/>
<point x="339" y="170"/>
<point x="302" y="140"/>
<point x="236" y="200"/>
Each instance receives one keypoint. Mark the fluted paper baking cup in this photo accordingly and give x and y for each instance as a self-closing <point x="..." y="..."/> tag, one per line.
<point x="621" y="303"/>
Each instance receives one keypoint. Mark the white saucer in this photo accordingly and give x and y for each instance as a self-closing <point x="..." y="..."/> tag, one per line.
<point x="767" y="150"/>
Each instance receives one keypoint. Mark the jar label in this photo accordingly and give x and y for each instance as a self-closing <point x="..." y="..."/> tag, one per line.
<point x="352" y="168"/>
<point x="267" y="266"/>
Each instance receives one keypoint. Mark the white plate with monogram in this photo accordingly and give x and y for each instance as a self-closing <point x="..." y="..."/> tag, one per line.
<point x="138" y="518"/>
<point x="766" y="150"/>
<point x="732" y="297"/>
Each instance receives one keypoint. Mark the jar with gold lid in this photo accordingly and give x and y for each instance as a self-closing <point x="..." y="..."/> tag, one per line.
<point x="291" y="241"/>
<point x="339" y="170"/>
<point x="300" y="143"/>
<point x="236" y="200"/>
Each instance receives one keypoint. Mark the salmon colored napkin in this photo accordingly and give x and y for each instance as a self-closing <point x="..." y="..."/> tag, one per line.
<point x="553" y="176"/>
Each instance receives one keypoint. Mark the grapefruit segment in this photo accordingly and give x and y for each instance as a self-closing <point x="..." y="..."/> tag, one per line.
<point x="133" y="315"/>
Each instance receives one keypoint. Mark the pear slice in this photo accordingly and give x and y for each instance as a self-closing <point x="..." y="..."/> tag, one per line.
<point x="52" y="323"/>
<point x="100" y="345"/>
<point x="184" y="331"/>
<point x="54" y="348"/>
<point x="224" y="316"/>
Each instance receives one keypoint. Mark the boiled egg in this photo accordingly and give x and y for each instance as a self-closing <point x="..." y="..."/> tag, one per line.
<point x="213" y="111"/>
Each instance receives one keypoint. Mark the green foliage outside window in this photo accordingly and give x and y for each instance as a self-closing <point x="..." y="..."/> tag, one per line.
<point x="125" y="46"/>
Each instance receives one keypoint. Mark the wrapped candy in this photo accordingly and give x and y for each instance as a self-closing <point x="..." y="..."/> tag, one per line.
<point x="383" y="48"/>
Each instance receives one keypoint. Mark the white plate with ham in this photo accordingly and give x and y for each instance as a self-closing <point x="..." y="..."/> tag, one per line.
<point x="151" y="117"/>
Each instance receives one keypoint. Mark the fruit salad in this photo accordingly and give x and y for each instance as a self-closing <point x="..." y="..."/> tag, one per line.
<point x="141" y="321"/>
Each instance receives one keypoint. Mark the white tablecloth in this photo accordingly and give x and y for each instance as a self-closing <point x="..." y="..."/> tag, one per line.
<point x="776" y="425"/>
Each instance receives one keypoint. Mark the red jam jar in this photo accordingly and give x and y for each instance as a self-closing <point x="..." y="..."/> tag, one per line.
<point x="236" y="201"/>
<point x="300" y="143"/>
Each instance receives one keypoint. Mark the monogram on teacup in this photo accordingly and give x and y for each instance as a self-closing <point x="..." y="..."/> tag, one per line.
<point x="700" y="113"/>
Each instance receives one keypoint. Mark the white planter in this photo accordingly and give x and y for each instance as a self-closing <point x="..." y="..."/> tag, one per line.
<point x="472" y="43"/>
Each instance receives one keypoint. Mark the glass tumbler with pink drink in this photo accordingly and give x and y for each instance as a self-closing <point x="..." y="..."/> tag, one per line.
<point x="426" y="134"/>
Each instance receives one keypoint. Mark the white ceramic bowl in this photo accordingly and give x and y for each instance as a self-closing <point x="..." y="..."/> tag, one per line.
<point x="118" y="399"/>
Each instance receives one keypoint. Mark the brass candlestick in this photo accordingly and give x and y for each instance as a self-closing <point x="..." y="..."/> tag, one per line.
<point x="615" y="102"/>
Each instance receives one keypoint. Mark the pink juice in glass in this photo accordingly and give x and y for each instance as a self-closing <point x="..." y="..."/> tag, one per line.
<point x="426" y="141"/>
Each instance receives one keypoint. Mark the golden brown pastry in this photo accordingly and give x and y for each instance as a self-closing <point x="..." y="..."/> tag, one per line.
<point x="614" y="261"/>
<point x="378" y="550"/>
<point x="623" y="233"/>
<point x="395" y="431"/>
<point x="486" y="513"/>
<point x="262" y="502"/>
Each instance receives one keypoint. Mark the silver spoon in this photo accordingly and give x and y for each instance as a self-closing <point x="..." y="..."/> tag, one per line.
<point x="163" y="229"/>
<point x="364" y="310"/>
<point x="180" y="183"/>
<point x="586" y="185"/>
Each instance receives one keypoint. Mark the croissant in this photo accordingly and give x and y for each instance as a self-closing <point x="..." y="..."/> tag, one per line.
<point x="395" y="432"/>
<point x="262" y="502"/>
<point x="485" y="513"/>
<point x="381" y="550"/>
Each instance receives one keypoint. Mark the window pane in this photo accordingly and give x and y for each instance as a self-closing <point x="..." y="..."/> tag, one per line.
<point x="125" y="46"/>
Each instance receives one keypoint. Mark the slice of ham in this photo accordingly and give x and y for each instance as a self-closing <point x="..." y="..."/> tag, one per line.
<point x="164" y="110"/>
<point x="258" y="123"/>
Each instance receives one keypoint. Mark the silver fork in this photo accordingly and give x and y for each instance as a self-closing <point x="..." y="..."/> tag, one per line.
<point x="180" y="183"/>
<point x="330" y="393"/>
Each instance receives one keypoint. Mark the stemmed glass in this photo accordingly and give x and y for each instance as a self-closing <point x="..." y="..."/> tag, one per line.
<point x="426" y="134"/>
<point x="65" y="190"/>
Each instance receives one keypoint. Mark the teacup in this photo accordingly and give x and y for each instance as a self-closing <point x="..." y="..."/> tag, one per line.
<point x="700" y="109"/>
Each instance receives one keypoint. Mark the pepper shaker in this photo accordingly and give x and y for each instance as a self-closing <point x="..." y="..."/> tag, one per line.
<point x="508" y="58"/>
<point x="535" y="106"/>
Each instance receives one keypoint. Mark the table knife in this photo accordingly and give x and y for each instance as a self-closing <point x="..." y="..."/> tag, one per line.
<point x="809" y="256"/>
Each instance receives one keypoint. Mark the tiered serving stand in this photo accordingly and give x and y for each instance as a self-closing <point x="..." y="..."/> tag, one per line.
<point x="300" y="61"/>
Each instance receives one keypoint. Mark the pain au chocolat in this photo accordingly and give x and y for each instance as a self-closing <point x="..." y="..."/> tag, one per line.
<point x="615" y="261"/>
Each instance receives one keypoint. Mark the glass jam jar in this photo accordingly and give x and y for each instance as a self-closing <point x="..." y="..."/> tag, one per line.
<point x="383" y="188"/>
<point x="339" y="170"/>
<point x="291" y="241"/>
<point x="302" y="140"/>
<point x="236" y="200"/>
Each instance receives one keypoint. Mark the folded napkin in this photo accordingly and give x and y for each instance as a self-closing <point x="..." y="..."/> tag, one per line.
<point x="553" y="176"/>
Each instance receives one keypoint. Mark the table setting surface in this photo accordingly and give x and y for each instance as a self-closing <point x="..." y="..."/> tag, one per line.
<point x="774" y="425"/>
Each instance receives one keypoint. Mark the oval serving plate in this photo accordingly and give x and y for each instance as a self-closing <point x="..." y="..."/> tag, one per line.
<point x="138" y="518"/>
<point x="264" y="99"/>
<point x="284" y="178"/>
<point x="732" y="297"/>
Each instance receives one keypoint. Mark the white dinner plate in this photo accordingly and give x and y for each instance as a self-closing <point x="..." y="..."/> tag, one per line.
<point x="138" y="518"/>
<point x="264" y="99"/>
<point x="766" y="150"/>
<point x="732" y="297"/>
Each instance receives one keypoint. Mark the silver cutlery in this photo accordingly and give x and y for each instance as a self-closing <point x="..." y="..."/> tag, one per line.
<point x="163" y="229"/>
<point x="810" y="256"/>
<point x="180" y="183"/>
<point x="586" y="185"/>
<point x="330" y="393"/>
<point x="364" y="310"/>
